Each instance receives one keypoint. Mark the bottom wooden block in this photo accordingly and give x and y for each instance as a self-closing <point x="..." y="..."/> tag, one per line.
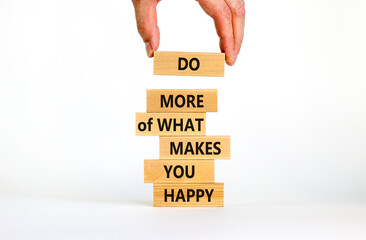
<point x="189" y="195"/>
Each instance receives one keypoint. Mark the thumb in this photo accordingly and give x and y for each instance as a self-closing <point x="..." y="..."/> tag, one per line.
<point x="146" y="20"/>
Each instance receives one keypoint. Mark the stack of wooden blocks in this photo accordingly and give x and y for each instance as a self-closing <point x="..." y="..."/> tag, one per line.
<point x="184" y="175"/>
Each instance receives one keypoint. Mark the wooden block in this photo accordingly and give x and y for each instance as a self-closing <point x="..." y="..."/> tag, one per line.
<point x="170" y="124"/>
<point x="189" y="64"/>
<point x="179" y="171"/>
<point x="181" y="100"/>
<point x="189" y="195"/>
<point x="207" y="147"/>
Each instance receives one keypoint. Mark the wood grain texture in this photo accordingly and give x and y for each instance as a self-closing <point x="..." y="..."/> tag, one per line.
<point x="170" y="124"/>
<point x="210" y="64"/>
<point x="207" y="147"/>
<point x="179" y="171"/>
<point x="166" y="100"/>
<point x="181" y="195"/>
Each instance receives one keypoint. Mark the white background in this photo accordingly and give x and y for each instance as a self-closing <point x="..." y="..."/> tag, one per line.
<point x="74" y="72"/>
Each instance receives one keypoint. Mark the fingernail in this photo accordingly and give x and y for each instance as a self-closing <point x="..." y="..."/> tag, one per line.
<point x="149" y="50"/>
<point x="232" y="59"/>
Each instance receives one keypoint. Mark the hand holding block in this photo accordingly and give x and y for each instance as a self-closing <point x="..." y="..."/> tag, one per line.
<point x="179" y="171"/>
<point x="181" y="100"/>
<point x="165" y="124"/>
<point x="189" y="64"/>
<point x="189" y="195"/>
<point x="207" y="147"/>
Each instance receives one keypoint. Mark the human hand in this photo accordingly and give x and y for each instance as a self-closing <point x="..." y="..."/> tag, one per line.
<point x="228" y="15"/>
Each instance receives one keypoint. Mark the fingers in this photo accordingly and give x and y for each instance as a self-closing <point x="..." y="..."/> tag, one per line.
<point x="237" y="8"/>
<point x="146" y="19"/>
<point x="221" y="14"/>
<point x="228" y="15"/>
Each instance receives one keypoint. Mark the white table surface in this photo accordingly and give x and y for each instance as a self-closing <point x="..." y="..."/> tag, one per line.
<point x="61" y="219"/>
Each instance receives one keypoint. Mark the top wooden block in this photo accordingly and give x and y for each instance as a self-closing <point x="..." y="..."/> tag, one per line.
<point x="189" y="64"/>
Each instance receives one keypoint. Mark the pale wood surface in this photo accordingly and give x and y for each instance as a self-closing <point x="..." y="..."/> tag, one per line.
<point x="217" y="196"/>
<point x="207" y="96"/>
<point x="211" y="64"/>
<point x="162" y="171"/>
<point x="184" y="145"/>
<point x="191" y="124"/>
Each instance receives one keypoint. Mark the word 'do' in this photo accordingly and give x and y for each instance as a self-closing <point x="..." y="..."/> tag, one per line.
<point x="189" y="64"/>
